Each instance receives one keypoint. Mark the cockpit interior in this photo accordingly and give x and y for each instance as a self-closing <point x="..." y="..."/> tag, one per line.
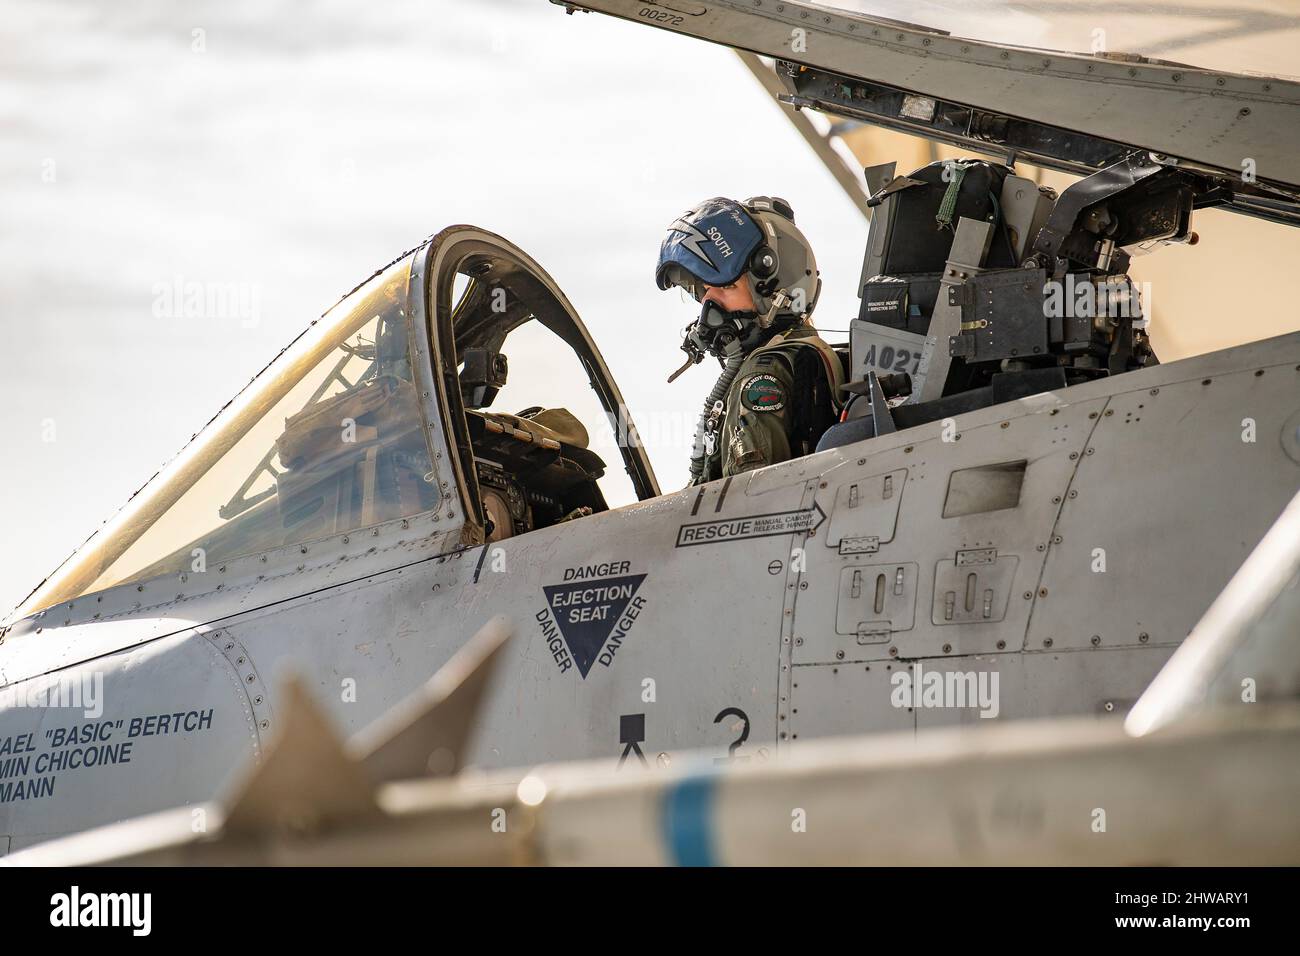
<point x="541" y="440"/>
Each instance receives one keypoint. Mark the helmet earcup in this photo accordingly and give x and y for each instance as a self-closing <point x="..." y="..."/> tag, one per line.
<point x="763" y="266"/>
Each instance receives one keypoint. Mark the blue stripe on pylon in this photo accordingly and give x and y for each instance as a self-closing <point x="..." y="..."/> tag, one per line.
<point x="687" y="818"/>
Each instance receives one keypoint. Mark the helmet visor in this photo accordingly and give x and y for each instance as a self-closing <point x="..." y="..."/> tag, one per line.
<point x="710" y="245"/>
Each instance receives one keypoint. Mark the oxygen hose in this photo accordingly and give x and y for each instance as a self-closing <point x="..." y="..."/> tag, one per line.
<point x="735" y="357"/>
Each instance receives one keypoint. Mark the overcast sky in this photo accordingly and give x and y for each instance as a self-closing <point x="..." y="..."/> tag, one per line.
<point x="296" y="147"/>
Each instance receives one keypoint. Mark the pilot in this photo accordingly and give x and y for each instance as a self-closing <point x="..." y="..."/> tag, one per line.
<point x="754" y="274"/>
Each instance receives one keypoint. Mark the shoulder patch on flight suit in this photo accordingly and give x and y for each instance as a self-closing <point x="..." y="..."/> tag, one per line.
<point x="762" y="393"/>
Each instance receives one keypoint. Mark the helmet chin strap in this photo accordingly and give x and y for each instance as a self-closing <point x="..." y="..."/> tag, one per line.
<point x="768" y="307"/>
<point x="780" y="300"/>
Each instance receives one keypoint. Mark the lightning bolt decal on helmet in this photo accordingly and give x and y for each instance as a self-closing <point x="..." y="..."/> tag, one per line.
<point x="710" y="245"/>
<point x="694" y="240"/>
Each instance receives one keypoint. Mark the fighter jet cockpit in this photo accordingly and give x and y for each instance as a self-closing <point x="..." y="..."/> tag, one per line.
<point x="545" y="448"/>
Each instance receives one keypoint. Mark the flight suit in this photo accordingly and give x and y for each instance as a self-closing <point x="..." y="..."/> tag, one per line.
<point x="772" y="414"/>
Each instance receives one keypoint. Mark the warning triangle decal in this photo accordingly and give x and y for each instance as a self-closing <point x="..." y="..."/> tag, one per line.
<point x="587" y="611"/>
